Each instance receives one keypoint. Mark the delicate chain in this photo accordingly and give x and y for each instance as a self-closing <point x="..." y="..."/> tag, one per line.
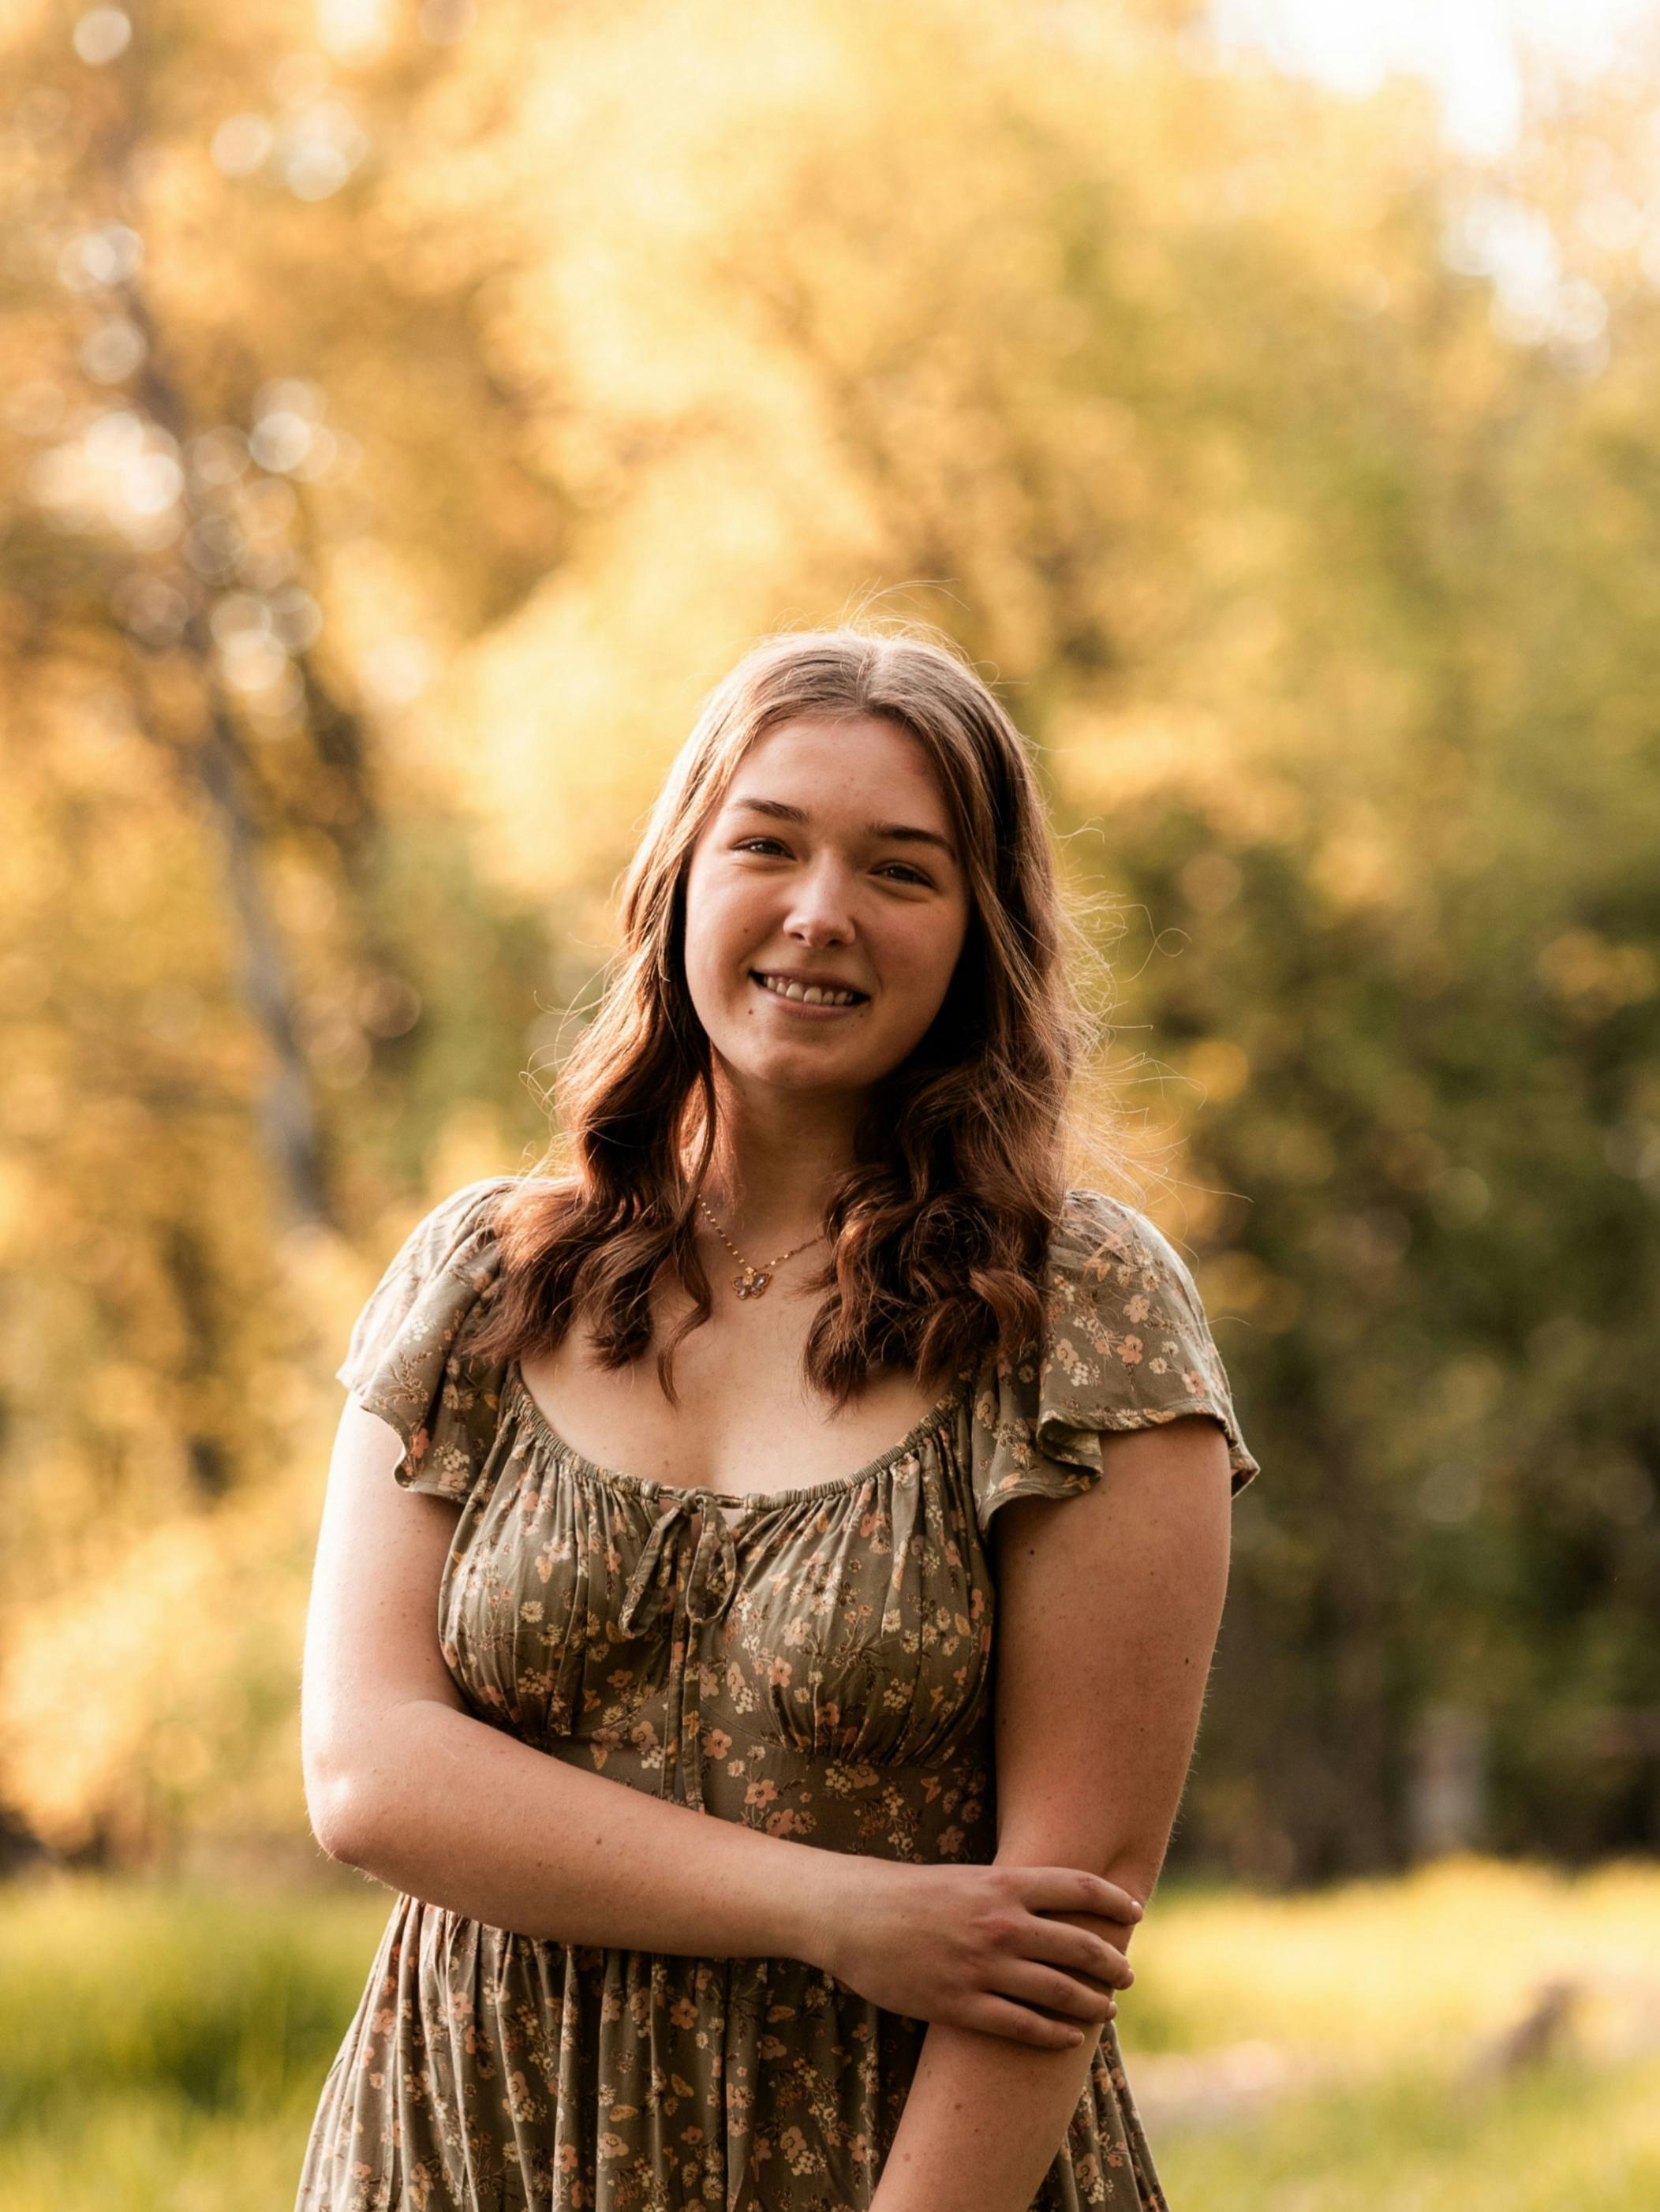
<point x="753" y="1280"/>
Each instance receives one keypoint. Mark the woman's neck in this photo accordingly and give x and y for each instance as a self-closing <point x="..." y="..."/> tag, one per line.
<point x="777" y="1158"/>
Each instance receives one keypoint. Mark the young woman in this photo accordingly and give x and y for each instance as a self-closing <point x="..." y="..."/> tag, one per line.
<point x="772" y="1698"/>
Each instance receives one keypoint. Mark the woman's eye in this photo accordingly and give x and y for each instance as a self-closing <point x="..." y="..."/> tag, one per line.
<point x="768" y="846"/>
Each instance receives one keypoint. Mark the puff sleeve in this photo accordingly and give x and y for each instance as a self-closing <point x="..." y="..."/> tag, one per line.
<point x="408" y="1359"/>
<point x="1125" y="1345"/>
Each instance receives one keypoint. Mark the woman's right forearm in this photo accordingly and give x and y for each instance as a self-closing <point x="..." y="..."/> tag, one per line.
<point x="460" y="1814"/>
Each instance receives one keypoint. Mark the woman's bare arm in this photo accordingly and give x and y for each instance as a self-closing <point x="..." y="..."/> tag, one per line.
<point x="403" y="1783"/>
<point x="1109" y="1606"/>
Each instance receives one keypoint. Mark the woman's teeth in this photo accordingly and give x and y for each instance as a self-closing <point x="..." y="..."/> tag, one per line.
<point x="810" y="994"/>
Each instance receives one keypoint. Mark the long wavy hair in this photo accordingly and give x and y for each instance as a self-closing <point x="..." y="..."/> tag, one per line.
<point x="937" y="1231"/>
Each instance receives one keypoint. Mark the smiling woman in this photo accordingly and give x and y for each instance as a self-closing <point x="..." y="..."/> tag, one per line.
<point x="819" y="953"/>
<point x="770" y="1772"/>
<point x="855" y="811"/>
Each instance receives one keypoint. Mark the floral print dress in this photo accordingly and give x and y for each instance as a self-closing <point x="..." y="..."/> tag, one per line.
<point x="813" y="1661"/>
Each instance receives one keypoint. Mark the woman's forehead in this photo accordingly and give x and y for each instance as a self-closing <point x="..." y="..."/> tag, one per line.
<point x="840" y="763"/>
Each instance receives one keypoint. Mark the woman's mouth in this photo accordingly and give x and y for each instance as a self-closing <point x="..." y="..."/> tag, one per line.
<point x="804" y="998"/>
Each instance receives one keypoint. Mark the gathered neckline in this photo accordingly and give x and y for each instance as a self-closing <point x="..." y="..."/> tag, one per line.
<point x="752" y="1500"/>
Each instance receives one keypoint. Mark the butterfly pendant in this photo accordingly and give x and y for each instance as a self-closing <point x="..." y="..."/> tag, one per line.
<point x="751" y="1282"/>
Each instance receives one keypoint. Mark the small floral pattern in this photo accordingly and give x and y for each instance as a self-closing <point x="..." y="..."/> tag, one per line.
<point x="813" y="1661"/>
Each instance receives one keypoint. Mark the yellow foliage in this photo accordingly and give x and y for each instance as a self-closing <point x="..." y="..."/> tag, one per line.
<point x="156" y="1693"/>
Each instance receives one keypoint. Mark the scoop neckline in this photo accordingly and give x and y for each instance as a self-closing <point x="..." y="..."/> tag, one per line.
<point x="752" y="1500"/>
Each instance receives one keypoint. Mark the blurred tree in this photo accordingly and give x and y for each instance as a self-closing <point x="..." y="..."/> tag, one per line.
<point x="212" y="983"/>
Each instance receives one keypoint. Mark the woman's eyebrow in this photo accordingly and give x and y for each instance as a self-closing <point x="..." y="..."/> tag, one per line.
<point x="905" y="833"/>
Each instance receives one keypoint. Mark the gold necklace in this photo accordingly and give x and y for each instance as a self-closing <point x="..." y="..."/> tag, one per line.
<point x="754" y="1280"/>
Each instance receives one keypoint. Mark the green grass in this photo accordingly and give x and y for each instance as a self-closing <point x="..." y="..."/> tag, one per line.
<point x="1559" y="2140"/>
<point x="156" y="2153"/>
<point x="221" y="2003"/>
<point x="162" y="2048"/>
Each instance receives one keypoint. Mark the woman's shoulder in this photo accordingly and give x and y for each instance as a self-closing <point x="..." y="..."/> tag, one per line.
<point x="1104" y="1240"/>
<point x="408" y="1359"/>
<point x="473" y="1213"/>
<point x="1125" y="1344"/>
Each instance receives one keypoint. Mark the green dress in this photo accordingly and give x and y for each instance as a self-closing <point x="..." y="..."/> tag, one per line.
<point x="813" y="1661"/>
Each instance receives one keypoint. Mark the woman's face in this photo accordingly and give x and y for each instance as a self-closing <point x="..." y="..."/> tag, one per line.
<point x="830" y="865"/>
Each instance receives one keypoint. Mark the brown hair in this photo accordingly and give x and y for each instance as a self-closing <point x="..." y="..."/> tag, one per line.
<point x="937" y="1231"/>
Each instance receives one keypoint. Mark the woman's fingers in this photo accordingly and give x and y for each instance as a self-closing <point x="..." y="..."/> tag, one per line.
<point x="1072" y="1889"/>
<point x="994" y="2017"/>
<point x="1101" y="1961"/>
<point x="1057" y="1943"/>
<point x="1037" y="1984"/>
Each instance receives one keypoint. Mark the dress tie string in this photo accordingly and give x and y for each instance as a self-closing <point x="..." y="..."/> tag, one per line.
<point x="710" y="1582"/>
<point x="711" y="1578"/>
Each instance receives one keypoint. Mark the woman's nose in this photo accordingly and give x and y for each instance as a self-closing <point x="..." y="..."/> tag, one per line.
<point x="820" y="910"/>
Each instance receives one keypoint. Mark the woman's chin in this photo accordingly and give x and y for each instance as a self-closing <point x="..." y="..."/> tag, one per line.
<point x="799" y="1070"/>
